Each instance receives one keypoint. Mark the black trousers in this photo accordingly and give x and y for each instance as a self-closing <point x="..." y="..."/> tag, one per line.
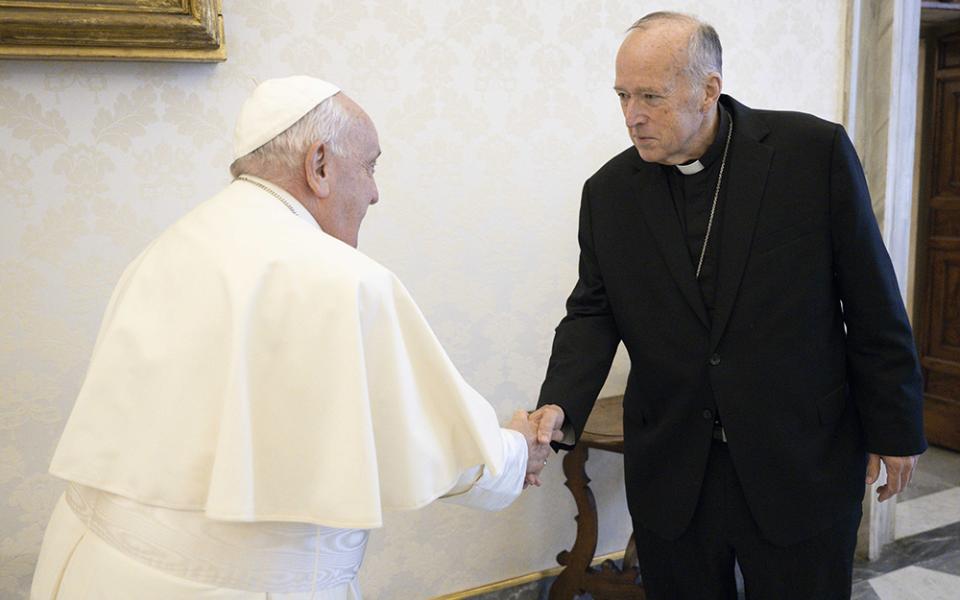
<point x="699" y="565"/>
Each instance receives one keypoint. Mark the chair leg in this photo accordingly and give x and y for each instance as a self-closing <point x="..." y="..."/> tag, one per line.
<point x="577" y="561"/>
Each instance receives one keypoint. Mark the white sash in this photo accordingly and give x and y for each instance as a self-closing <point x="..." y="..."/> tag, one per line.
<point x="259" y="557"/>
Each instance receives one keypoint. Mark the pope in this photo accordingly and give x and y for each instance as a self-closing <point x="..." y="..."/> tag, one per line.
<point x="260" y="391"/>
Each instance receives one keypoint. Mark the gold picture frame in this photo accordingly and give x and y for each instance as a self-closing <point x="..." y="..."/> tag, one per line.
<point x="155" y="30"/>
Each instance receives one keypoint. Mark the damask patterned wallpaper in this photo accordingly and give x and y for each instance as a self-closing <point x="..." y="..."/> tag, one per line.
<point x="491" y="115"/>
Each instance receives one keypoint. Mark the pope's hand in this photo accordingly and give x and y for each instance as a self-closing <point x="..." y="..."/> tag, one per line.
<point x="536" y="452"/>
<point x="548" y="420"/>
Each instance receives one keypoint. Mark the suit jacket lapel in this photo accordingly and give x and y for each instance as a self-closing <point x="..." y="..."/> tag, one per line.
<point x="655" y="203"/>
<point x="748" y="166"/>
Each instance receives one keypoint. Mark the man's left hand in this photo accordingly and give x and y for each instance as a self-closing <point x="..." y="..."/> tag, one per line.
<point x="899" y="473"/>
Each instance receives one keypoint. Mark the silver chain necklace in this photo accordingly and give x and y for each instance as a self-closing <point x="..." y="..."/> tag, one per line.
<point x="290" y="208"/>
<point x="713" y="207"/>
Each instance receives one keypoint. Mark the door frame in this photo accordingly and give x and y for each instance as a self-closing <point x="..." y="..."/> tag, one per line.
<point x="881" y="85"/>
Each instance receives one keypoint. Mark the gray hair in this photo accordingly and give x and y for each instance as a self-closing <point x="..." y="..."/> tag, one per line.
<point x="327" y="122"/>
<point x="704" y="53"/>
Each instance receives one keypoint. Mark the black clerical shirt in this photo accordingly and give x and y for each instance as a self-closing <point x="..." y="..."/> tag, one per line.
<point x="692" y="198"/>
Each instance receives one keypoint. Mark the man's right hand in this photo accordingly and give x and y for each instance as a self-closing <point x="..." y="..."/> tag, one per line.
<point x="536" y="452"/>
<point x="549" y="421"/>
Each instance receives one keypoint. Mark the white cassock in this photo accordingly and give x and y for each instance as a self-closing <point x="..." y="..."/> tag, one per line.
<point x="258" y="394"/>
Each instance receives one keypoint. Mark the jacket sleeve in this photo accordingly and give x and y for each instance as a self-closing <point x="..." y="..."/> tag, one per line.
<point x="882" y="367"/>
<point x="586" y="339"/>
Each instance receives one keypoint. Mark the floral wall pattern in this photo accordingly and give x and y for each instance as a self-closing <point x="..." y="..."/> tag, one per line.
<point x="491" y="114"/>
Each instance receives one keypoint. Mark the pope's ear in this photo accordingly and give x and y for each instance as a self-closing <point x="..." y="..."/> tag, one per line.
<point x="316" y="165"/>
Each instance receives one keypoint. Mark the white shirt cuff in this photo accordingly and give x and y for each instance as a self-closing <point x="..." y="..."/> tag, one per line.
<point x="490" y="492"/>
<point x="569" y="435"/>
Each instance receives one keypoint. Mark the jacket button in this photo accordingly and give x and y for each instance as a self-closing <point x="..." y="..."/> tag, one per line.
<point x="714" y="360"/>
<point x="707" y="415"/>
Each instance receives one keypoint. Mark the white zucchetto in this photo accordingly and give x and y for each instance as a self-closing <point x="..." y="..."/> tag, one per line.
<point x="274" y="106"/>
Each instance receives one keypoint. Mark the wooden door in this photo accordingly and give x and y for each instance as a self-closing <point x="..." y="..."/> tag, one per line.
<point x="938" y="243"/>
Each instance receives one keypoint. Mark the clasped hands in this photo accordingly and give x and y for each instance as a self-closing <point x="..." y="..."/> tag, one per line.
<point x="539" y="428"/>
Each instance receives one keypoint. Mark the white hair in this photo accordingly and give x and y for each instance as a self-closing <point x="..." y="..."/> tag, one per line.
<point x="329" y="122"/>
<point x="704" y="52"/>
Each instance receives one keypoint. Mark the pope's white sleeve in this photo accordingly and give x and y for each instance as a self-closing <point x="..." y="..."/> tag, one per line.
<point x="478" y="488"/>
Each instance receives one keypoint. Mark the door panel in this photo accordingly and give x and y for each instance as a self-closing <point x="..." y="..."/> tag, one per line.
<point x="938" y="320"/>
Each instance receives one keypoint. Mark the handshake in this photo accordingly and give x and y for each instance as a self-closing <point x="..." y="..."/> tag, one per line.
<point x="539" y="428"/>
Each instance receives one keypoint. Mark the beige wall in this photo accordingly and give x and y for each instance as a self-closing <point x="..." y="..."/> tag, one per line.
<point x="491" y="114"/>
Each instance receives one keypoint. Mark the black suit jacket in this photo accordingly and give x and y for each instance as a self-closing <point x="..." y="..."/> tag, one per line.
<point x="809" y="356"/>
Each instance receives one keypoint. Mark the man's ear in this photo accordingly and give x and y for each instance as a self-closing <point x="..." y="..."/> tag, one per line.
<point x="316" y="166"/>
<point x="712" y="90"/>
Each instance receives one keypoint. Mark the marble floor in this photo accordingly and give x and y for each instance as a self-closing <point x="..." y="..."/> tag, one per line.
<point x="923" y="563"/>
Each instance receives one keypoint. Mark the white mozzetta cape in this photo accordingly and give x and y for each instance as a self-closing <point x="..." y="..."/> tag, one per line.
<point x="254" y="368"/>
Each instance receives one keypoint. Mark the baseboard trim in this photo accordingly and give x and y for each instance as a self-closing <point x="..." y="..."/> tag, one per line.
<point x="520" y="580"/>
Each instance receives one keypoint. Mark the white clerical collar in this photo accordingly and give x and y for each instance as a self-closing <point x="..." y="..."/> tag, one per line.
<point x="691" y="168"/>
<point x="283" y="196"/>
